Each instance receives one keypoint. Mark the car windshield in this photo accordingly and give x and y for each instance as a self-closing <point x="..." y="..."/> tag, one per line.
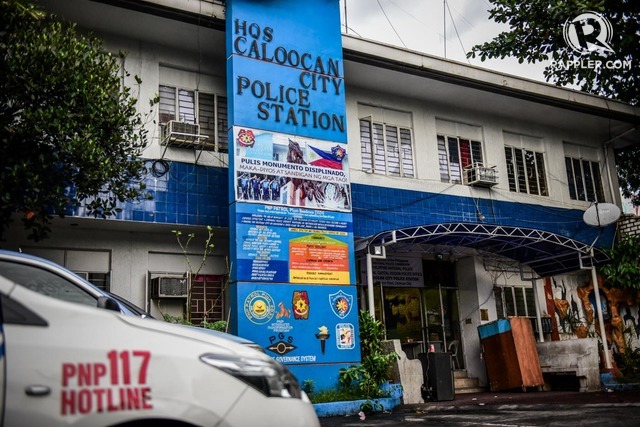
<point x="46" y="283"/>
<point x="131" y="306"/>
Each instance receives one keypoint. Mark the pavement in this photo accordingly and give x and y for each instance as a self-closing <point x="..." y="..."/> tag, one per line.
<point x="526" y="399"/>
<point x="509" y="409"/>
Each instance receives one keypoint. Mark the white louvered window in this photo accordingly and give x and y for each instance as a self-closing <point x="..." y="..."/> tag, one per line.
<point x="386" y="149"/>
<point x="191" y="106"/>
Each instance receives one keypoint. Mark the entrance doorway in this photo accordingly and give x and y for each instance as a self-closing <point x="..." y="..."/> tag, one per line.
<point x="442" y="326"/>
<point x="426" y="316"/>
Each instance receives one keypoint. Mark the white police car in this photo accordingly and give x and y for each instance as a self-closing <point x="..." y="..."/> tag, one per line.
<point x="65" y="361"/>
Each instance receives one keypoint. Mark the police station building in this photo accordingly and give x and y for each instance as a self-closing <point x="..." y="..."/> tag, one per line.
<point x="341" y="174"/>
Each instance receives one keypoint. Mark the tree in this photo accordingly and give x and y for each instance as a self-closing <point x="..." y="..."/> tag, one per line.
<point x="624" y="269"/>
<point x="184" y="248"/>
<point x="70" y="131"/>
<point x="536" y="34"/>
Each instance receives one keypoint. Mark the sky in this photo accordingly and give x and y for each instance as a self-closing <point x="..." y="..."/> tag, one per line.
<point x="420" y="25"/>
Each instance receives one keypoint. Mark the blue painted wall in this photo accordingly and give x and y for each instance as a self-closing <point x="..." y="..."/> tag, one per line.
<point x="197" y="195"/>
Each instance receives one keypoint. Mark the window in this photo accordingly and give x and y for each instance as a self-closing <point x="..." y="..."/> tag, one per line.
<point x="526" y="171"/>
<point x="514" y="301"/>
<point x="192" y="106"/>
<point x="386" y="149"/>
<point x="459" y="146"/>
<point x="455" y="154"/>
<point x="584" y="180"/>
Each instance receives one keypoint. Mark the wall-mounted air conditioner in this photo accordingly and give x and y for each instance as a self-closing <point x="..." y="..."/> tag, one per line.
<point x="182" y="134"/>
<point x="479" y="175"/>
<point x="169" y="287"/>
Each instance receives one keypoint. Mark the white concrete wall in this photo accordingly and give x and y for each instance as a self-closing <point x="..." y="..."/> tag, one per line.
<point x="472" y="292"/>
<point x="133" y="255"/>
<point x="424" y="115"/>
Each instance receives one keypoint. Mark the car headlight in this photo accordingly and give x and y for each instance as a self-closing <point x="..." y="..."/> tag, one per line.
<point x="265" y="375"/>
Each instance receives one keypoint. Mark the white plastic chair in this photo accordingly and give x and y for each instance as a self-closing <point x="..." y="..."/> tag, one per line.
<point x="453" y="351"/>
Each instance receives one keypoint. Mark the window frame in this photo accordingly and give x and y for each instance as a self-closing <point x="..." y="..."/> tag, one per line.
<point x="377" y="158"/>
<point x="522" y="182"/>
<point x="220" y="113"/>
<point x="574" y="181"/>
<point x="444" y="149"/>
<point x="502" y="308"/>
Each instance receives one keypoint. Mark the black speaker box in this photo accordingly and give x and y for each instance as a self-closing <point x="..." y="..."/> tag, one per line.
<point x="438" y="372"/>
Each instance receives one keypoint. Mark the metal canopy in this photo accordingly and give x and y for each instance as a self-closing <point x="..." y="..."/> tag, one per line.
<point x="546" y="253"/>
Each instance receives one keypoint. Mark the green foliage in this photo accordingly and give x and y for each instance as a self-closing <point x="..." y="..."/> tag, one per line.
<point x="218" y="325"/>
<point x="339" y="395"/>
<point x="308" y="386"/>
<point x="624" y="269"/>
<point x="371" y="406"/>
<point x="629" y="361"/>
<point x="375" y="366"/>
<point x="536" y="34"/>
<point x="176" y="319"/>
<point x="70" y="132"/>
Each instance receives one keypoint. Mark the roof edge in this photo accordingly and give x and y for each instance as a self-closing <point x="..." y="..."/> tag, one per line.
<point x="420" y="64"/>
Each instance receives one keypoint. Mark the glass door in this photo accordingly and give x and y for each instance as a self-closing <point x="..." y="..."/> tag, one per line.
<point x="443" y="322"/>
<point x="403" y="318"/>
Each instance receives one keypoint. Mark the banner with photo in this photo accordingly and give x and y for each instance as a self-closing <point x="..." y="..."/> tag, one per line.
<point x="287" y="170"/>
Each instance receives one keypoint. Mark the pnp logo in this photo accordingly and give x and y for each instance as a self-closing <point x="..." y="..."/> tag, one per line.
<point x="588" y="32"/>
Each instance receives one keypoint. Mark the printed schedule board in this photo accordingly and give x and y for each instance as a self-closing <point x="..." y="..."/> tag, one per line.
<point x="291" y="234"/>
<point x="298" y="325"/>
<point x="280" y="245"/>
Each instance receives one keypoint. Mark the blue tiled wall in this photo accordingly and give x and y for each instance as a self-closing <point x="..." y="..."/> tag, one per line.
<point x="191" y="194"/>
<point x="182" y="193"/>
<point x="381" y="208"/>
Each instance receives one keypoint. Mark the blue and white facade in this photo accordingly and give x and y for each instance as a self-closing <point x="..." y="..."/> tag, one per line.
<point x="414" y="128"/>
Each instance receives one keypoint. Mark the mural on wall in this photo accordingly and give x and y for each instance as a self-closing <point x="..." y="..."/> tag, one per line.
<point x="576" y="314"/>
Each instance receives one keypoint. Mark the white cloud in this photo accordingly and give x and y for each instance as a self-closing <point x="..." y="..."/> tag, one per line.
<point x="419" y="25"/>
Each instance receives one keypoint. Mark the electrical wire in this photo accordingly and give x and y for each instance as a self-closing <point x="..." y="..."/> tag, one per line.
<point x="159" y="168"/>
<point x="456" y="29"/>
<point x="392" y="27"/>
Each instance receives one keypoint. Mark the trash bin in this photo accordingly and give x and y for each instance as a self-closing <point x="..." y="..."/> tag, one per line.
<point x="510" y="354"/>
<point x="438" y="376"/>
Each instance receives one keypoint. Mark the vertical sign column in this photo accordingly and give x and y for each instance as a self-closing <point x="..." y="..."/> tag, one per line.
<point x="293" y="268"/>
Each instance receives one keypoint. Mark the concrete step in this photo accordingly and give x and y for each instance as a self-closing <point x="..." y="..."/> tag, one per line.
<point x="460" y="373"/>
<point x="470" y="390"/>
<point x="464" y="384"/>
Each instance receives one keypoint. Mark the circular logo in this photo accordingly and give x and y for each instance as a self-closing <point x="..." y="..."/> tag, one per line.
<point x="588" y="32"/>
<point x="259" y="307"/>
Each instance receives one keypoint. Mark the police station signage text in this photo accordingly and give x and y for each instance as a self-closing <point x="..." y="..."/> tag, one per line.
<point x="291" y="103"/>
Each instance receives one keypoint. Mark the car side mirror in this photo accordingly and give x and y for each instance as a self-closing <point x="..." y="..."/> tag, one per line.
<point x="108" y="303"/>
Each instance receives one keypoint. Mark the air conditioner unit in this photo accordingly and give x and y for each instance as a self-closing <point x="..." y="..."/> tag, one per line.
<point x="182" y="134"/>
<point x="169" y="287"/>
<point x="479" y="175"/>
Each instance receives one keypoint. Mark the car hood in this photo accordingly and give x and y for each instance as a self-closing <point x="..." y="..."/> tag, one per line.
<point x="222" y="341"/>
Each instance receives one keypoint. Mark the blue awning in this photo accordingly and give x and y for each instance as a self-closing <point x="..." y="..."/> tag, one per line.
<point x="546" y="253"/>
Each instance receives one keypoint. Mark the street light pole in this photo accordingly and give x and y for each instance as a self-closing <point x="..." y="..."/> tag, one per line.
<point x="372" y="310"/>
<point x="596" y="291"/>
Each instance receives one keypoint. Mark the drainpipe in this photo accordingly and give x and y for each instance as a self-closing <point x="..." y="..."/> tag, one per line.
<point x="605" y="148"/>
<point x="534" y="284"/>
